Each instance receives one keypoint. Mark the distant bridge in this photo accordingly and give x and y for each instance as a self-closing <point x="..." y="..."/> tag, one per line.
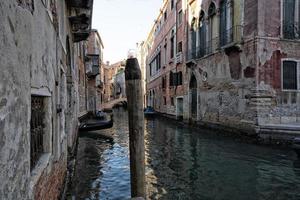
<point x="111" y="103"/>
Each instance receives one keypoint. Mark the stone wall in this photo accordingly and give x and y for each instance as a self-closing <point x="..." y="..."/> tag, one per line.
<point x="33" y="62"/>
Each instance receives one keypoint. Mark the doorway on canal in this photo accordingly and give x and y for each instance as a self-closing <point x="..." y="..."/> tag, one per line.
<point x="193" y="98"/>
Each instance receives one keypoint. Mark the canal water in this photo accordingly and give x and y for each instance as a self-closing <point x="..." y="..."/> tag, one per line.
<point x="183" y="163"/>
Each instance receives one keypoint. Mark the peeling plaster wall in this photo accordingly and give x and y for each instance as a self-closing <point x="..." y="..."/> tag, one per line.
<point x="223" y="97"/>
<point x="16" y="60"/>
<point x="32" y="61"/>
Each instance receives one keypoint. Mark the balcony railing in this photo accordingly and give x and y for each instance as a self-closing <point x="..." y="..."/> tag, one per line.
<point x="291" y="30"/>
<point x="179" y="58"/>
<point x="92" y="65"/>
<point x="232" y="35"/>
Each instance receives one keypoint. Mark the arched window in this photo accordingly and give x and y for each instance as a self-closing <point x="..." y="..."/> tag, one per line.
<point x="226" y="22"/>
<point x="193" y="36"/>
<point x="202" y="35"/>
<point x="211" y="32"/>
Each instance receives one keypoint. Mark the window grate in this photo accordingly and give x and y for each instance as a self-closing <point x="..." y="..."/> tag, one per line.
<point x="36" y="130"/>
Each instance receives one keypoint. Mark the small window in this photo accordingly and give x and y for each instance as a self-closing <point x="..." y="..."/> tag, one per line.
<point x="179" y="17"/>
<point x="165" y="16"/>
<point x="171" y="81"/>
<point x="36" y="130"/>
<point x="289" y="75"/>
<point x="172" y="101"/>
<point x="172" y="4"/>
<point x="165" y="101"/>
<point x="179" y="48"/>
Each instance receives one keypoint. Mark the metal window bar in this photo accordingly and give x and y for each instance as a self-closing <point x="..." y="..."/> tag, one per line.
<point x="36" y="130"/>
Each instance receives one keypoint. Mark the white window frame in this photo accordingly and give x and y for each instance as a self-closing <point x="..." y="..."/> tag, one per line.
<point x="298" y="74"/>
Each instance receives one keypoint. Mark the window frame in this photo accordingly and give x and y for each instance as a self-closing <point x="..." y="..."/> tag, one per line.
<point x="298" y="75"/>
<point x="296" y="20"/>
<point x="179" y="17"/>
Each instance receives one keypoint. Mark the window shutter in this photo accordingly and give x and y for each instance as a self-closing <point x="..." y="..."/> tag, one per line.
<point x="289" y="75"/>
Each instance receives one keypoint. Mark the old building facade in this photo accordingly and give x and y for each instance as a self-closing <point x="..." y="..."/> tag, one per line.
<point x="165" y="46"/>
<point x="43" y="71"/>
<point x="114" y="81"/>
<point x="240" y="65"/>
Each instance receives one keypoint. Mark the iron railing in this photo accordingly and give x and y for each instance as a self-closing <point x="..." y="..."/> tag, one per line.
<point x="233" y="34"/>
<point x="36" y="130"/>
<point x="230" y="36"/>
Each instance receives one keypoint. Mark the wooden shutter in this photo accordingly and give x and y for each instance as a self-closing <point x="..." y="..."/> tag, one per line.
<point x="289" y="75"/>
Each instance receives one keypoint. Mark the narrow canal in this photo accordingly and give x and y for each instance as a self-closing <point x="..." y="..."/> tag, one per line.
<point x="184" y="163"/>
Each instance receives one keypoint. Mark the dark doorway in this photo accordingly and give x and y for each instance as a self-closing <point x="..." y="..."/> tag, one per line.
<point x="193" y="95"/>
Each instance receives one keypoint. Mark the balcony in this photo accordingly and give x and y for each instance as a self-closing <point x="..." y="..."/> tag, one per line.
<point x="231" y="36"/>
<point x="92" y="65"/>
<point x="99" y="82"/>
<point x="228" y="39"/>
<point x="80" y="20"/>
<point x="179" y="58"/>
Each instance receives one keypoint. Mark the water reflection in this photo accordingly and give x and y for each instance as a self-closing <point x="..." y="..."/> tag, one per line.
<point x="183" y="163"/>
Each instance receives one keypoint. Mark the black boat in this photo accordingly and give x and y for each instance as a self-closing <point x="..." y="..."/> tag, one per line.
<point x="296" y="146"/>
<point x="96" y="124"/>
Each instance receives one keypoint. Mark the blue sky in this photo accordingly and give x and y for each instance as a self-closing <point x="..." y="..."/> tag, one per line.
<point x="123" y="23"/>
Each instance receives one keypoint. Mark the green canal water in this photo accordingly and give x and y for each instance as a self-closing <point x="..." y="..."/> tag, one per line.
<point x="183" y="163"/>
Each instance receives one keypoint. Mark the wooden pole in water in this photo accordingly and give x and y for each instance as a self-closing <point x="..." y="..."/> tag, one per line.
<point x="134" y="95"/>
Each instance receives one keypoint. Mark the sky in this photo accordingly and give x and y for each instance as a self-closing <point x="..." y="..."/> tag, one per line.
<point x="123" y="23"/>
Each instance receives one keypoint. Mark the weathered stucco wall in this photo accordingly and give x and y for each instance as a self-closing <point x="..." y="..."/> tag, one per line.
<point x="225" y="81"/>
<point x="33" y="62"/>
<point x="16" y="60"/>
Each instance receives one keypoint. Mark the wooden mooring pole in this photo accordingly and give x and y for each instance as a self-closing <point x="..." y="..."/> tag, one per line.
<point x="134" y="95"/>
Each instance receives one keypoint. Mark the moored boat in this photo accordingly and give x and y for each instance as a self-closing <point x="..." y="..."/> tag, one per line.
<point x="96" y="124"/>
<point x="149" y="111"/>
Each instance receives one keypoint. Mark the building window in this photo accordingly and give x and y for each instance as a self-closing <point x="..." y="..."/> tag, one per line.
<point x="172" y="4"/>
<point x="165" y="53"/>
<point x="165" y="101"/>
<point x="290" y="71"/>
<point x="172" y="45"/>
<point x="193" y="39"/>
<point x="202" y="35"/>
<point x="179" y="78"/>
<point x="155" y="64"/>
<point x="179" y="47"/>
<point x="179" y="18"/>
<point x="36" y="130"/>
<point x="163" y="82"/>
<point x="165" y="16"/>
<point x="226" y="21"/>
<point x="291" y="18"/>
